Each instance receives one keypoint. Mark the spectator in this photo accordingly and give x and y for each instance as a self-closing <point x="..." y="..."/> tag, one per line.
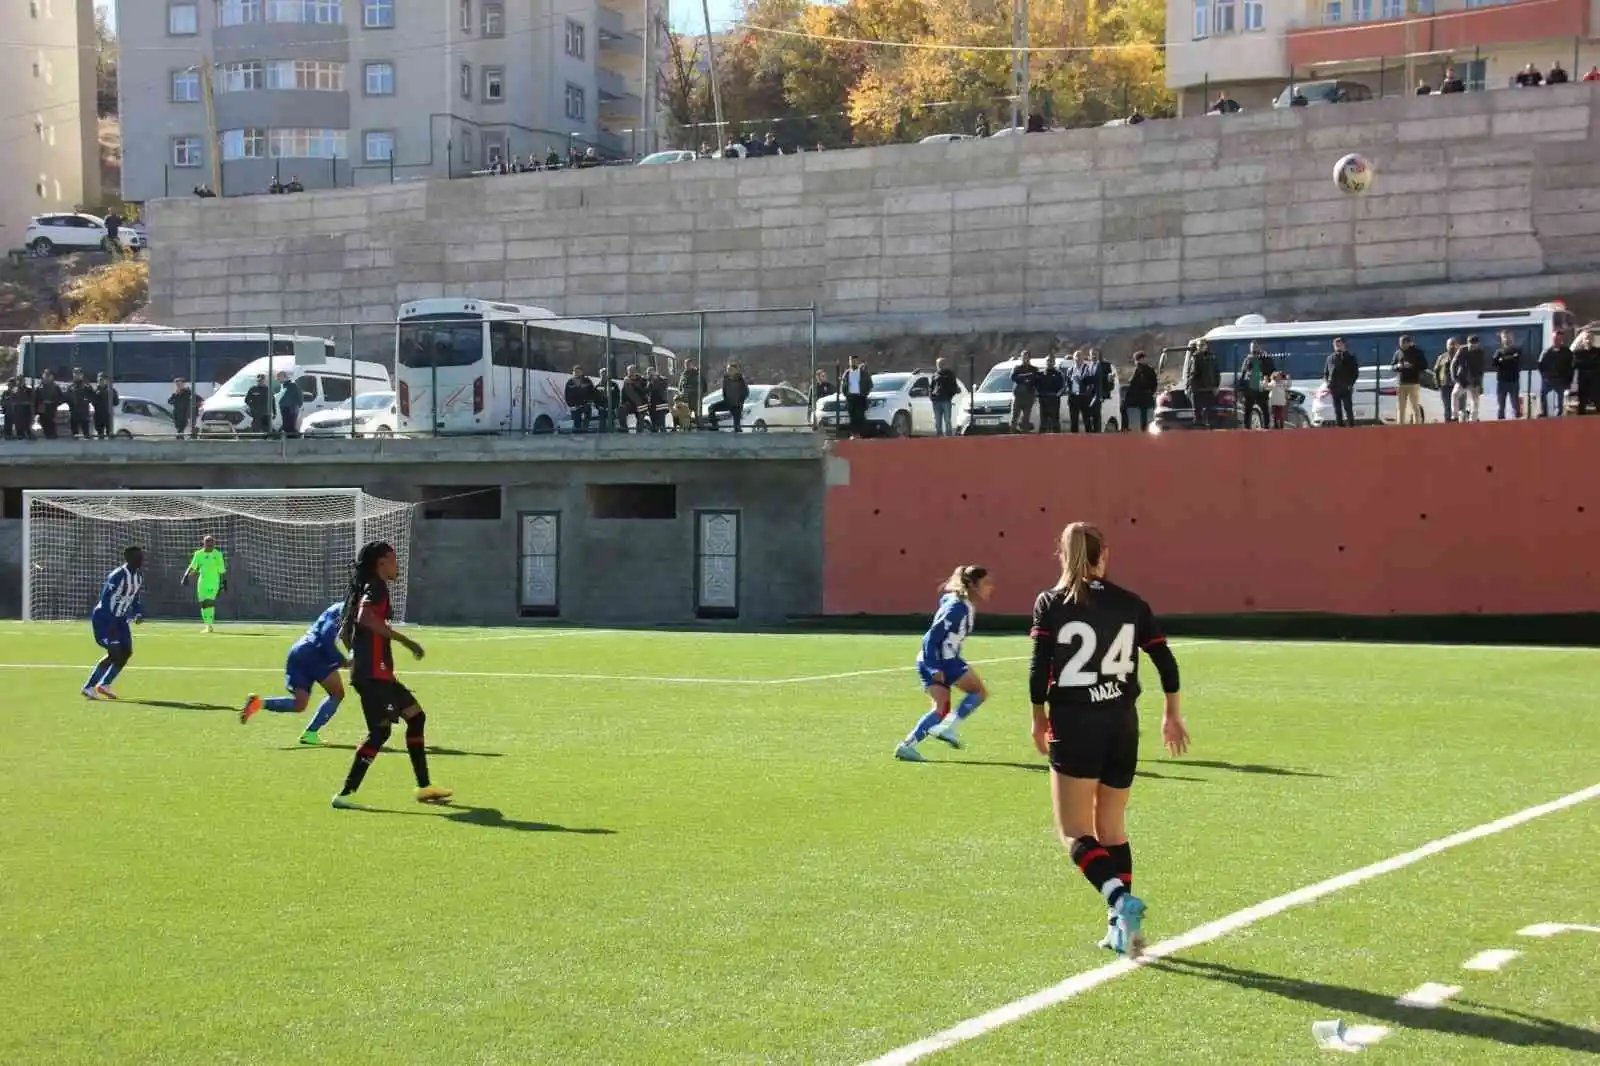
<point x="47" y="401"/>
<point x="1225" y="105"/>
<point x="1252" y="380"/>
<point x="1200" y="380"/>
<point x="274" y="188"/>
<point x="857" y="387"/>
<point x="19" y="410"/>
<point x="658" y="392"/>
<point x="552" y="159"/>
<point x="945" y="390"/>
<point x="1104" y="379"/>
<point x="686" y="413"/>
<point x="1507" y="364"/>
<point x="1593" y="75"/>
<point x="1557" y="75"/>
<point x="258" y="404"/>
<point x="1586" y="373"/>
<point x="1298" y="99"/>
<point x="1450" y="83"/>
<point x="1080" y="391"/>
<point x="736" y="391"/>
<point x="607" y="401"/>
<point x="1051" y="385"/>
<point x="770" y="145"/>
<point x="1339" y="374"/>
<point x="1424" y="89"/>
<point x="294" y="185"/>
<point x="1278" y="398"/>
<point x="1408" y="363"/>
<point x="579" y="397"/>
<point x="1023" y="392"/>
<point x="1135" y="117"/>
<point x="80" y="405"/>
<point x="1035" y="124"/>
<point x="204" y="192"/>
<point x="290" y="401"/>
<point x="1140" y="395"/>
<point x="104" y="403"/>
<point x="1470" y="366"/>
<point x="1555" y="376"/>
<point x="113" y="228"/>
<point x="1528" y="78"/>
<point x="1444" y="377"/>
<point x="182" y="403"/>
<point x="635" y="401"/>
<point x="820" y="387"/>
<point x="981" y="127"/>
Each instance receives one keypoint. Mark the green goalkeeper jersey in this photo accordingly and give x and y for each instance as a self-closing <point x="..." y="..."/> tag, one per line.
<point x="209" y="566"/>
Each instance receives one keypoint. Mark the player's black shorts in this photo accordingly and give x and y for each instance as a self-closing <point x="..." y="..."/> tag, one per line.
<point x="382" y="701"/>
<point x="1100" y="743"/>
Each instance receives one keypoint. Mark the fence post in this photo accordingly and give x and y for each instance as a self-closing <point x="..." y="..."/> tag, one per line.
<point x="354" y="380"/>
<point x="391" y="168"/>
<point x="610" y="362"/>
<point x="811" y="385"/>
<point x="523" y="397"/>
<point x="705" y="365"/>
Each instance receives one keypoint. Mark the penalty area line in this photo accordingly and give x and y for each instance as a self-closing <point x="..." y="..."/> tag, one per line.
<point x="983" y="1024"/>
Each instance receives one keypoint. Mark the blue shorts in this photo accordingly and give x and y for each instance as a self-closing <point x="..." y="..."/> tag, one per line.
<point x="306" y="667"/>
<point x="952" y="669"/>
<point x="111" y="632"/>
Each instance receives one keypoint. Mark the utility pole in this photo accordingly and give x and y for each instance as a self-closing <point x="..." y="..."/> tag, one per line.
<point x="647" y="86"/>
<point x="1411" y="47"/>
<point x="206" y="69"/>
<point x="716" y="90"/>
<point x="1019" y="63"/>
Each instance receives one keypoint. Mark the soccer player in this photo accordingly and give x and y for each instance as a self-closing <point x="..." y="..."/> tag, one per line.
<point x="119" y="604"/>
<point x="1083" y="681"/>
<point x="314" y="659"/>
<point x="940" y="666"/>
<point x="211" y="573"/>
<point x="365" y="630"/>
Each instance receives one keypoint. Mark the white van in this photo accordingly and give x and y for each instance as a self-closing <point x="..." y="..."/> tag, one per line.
<point x="324" y="386"/>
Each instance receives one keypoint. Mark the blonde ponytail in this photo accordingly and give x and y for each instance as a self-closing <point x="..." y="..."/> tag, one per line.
<point x="1080" y="548"/>
<point x="963" y="580"/>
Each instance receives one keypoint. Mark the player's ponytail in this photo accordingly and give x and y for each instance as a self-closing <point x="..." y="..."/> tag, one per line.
<point x="364" y="570"/>
<point x="964" y="579"/>
<point x="1081" y="547"/>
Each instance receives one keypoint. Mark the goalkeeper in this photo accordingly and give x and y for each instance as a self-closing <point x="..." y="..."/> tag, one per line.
<point x="210" y="572"/>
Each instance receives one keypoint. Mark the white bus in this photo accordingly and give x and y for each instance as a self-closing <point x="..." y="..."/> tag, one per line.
<point x="481" y="366"/>
<point x="143" y="361"/>
<point x="1301" y="348"/>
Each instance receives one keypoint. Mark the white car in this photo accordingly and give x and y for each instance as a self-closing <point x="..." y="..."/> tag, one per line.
<point x="900" y="405"/>
<point x="945" y="138"/>
<point x="48" y="234"/>
<point x="780" y="408"/>
<point x="672" y="156"/>
<point x="991" y="404"/>
<point x="374" y="417"/>
<point x="1376" y="399"/>
<point x="133" y="418"/>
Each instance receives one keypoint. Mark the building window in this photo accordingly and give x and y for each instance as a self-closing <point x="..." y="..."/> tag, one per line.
<point x="466" y="16"/>
<point x="378" y="146"/>
<point x="466" y="146"/>
<point x="1474" y="74"/>
<point x="494" y="20"/>
<point x="306" y="144"/>
<point x="1202" y="19"/>
<point x="575" y="107"/>
<point x="186" y="86"/>
<point x="240" y="12"/>
<point x="313" y="74"/>
<point x="1225" y="16"/>
<point x="325" y="12"/>
<point x="575" y="39"/>
<point x="244" y="77"/>
<point x="183" y="20"/>
<point x="1255" y="15"/>
<point x="1360" y="10"/>
<point x="466" y="81"/>
<point x="494" y="148"/>
<point x="380" y="79"/>
<point x="494" y="84"/>
<point x="377" y="14"/>
<point x="1392" y="9"/>
<point x="185" y="151"/>
<point x="1333" y="13"/>
<point x="248" y="143"/>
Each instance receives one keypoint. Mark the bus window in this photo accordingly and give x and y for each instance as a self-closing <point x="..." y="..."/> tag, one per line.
<point x="505" y="344"/>
<point x="424" y="343"/>
<point x="560" y="348"/>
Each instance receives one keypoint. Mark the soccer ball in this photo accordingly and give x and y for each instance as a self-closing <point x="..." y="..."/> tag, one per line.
<point x="1353" y="174"/>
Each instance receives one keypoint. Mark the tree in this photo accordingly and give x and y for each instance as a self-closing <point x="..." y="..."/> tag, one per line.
<point x="105" y="61"/>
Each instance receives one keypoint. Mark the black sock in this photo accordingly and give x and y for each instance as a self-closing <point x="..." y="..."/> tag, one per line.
<point x="417" y="749"/>
<point x="364" y="755"/>
<point x="1098" y="869"/>
<point x="1122" y="855"/>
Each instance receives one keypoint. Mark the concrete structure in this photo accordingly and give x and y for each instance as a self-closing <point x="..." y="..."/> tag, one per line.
<point x="48" y="129"/>
<point x="334" y="91"/>
<point x="732" y="528"/>
<point x="1480" y="199"/>
<point x="1252" y="49"/>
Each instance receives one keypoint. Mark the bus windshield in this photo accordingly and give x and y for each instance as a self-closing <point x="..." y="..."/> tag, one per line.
<point x="439" y="340"/>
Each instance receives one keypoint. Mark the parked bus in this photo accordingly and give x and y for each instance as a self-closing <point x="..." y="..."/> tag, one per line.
<point x="1301" y="348"/>
<point x="144" y="361"/>
<point x="478" y="366"/>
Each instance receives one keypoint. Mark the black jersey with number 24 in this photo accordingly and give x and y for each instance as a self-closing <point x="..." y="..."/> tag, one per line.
<point x="1086" y="652"/>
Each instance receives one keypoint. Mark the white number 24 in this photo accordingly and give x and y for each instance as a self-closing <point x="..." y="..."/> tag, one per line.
<point x="1117" y="663"/>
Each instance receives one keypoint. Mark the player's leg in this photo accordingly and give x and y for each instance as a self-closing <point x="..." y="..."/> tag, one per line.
<point x="375" y="707"/>
<point x="333" y="685"/>
<point x="417" y="746"/>
<point x="1126" y="919"/>
<point x="1078" y="749"/>
<point x="967" y="680"/>
<point x="206" y="593"/>
<point x="120" y="651"/>
<point x="297" y="681"/>
<point x="101" y="628"/>
<point x="933" y="683"/>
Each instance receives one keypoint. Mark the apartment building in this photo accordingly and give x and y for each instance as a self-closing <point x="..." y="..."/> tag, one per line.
<point x="48" y="128"/>
<point x="342" y="92"/>
<point x="1252" y="49"/>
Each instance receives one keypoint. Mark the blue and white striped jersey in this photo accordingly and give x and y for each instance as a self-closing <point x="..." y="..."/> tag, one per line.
<point x="120" y="596"/>
<point x="951" y="624"/>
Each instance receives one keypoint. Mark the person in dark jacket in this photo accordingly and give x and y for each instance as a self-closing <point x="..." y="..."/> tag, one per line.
<point x="735" y="392"/>
<point x="1507" y="364"/>
<point x="1468" y="370"/>
<point x="80" y="406"/>
<point x="1081" y="396"/>
<point x="182" y="403"/>
<point x="1339" y="374"/>
<point x="290" y="400"/>
<point x="1444" y="377"/>
<point x="1409" y="364"/>
<point x="258" y="404"/>
<point x="607" y="401"/>
<point x="1023" y="392"/>
<point x="47" y="401"/>
<point x="579" y="397"/>
<point x="857" y="388"/>
<point x="1104" y="381"/>
<point x="1051" y="385"/>
<point x="104" y="403"/>
<point x="821" y="387"/>
<point x="1555" y="377"/>
<point x="635" y="401"/>
<point x="1251" y="386"/>
<point x="943" y="393"/>
<point x="19" y="410"/>
<point x="1140" y="393"/>
<point x="1201" y="378"/>
<point x="658" y="391"/>
<point x="686" y="413"/>
<point x="1586" y="373"/>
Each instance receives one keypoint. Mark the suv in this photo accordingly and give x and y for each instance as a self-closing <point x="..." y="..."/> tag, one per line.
<point x="900" y="405"/>
<point x="991" y="403"/>
<point x="75" y="233"/>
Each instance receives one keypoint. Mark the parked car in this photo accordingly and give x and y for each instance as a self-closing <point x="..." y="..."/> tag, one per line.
<point x="671" y="156"/>
<point x="133" y="418"/>
<point x="900" y="405"/>
<point x="780" y="407"/>
<point x="1323" y="92"/>
<point x="374" y="416"/>
<point x="991" y="405"/>
<point x="49" y="234"/>
<point x="1376" y="399"/>
<point x="945" y="138"/>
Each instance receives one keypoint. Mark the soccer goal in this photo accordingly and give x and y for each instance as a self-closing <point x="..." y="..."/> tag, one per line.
<point x="289" y="551"/>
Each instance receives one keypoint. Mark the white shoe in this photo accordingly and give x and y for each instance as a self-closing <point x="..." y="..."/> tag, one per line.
<point x="946" y="731"/>
<point x="346" y="803"/>
<point x="907" y="752"/>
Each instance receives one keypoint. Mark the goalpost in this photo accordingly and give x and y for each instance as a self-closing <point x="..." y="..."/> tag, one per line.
<point x="289" y="551"/>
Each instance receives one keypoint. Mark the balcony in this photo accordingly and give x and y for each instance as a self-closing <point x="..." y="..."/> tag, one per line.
<point x="614" y="35"/>
<point x="615" y="93"/>
<point x="1451" y="31"/>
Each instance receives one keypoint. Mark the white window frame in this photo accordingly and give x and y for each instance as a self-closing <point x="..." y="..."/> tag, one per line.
<point x="465" y="88"/>
<point x="298" y="143"/>
<point x="240" y="12"/>
<point x="1255" y="16"/>
<point x="1360" y="10"/>
<point x="174" y="28"/>
<point x="466" y="16"/>
<point x="1389" y="10"/>
<point x="494" y="85"/>
<point x="247" y="143"/>
<point x="1333" y="13"/>
<point x="494" y="19"/>
<point x="186" y="86"/>
<point x="367" y="144"/>
<point x="1226" y="15"/>
<point x="187" y="151"/>
<point x="244" y="77"/>
<point x="377" y="14"/>
<point x="576" y="96"/>
<point x="378" y="69"/>
<point x="577" y="39"/>
<point x="1202" y="19"/>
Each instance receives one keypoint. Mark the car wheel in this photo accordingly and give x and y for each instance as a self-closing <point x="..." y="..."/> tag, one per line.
<point x="1297" y="419"/>
<point x="760" y="426"/>
<point x="123" y="434"/>
<point x="901" y="426"/>
<point x="42" y="247"/>
<point x="544" y="424"/>
<point x="383" y="431"/>
<point x="1112" y="426"/>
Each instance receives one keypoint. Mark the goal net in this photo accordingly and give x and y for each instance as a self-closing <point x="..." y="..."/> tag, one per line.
<point x="289" y="552"/>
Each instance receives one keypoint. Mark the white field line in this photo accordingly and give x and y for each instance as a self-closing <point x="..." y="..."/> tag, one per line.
<point x="1549" y="929"/>
<point x="1491" y="960"/>
<point x="1427" y="996"/>
<point x="1366" y="1035"/>
<point x="983" y="1024"/>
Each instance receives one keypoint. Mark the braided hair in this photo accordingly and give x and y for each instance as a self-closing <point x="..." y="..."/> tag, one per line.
<point x="364" y="573"/>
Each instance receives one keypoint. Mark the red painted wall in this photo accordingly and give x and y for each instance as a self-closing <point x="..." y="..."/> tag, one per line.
<point x="1497" y="518"/>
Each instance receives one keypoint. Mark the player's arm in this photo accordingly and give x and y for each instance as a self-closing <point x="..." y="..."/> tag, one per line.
<point x="222" y="573"/>
<point x="194" y="568"/>
<point x="1044" y="646"/>
<point x="369" y="619"/>
<point x="1153" y="640"/>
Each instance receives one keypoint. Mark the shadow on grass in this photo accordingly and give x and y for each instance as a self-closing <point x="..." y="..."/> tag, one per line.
<point x="431" y="750"/>
<point x="1039" y="768"/>
<point x="1511" y="1028"/>
<point x="1235" y="767"/>
<point x="178" y="705"/>
<point x="490" y="818"/>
